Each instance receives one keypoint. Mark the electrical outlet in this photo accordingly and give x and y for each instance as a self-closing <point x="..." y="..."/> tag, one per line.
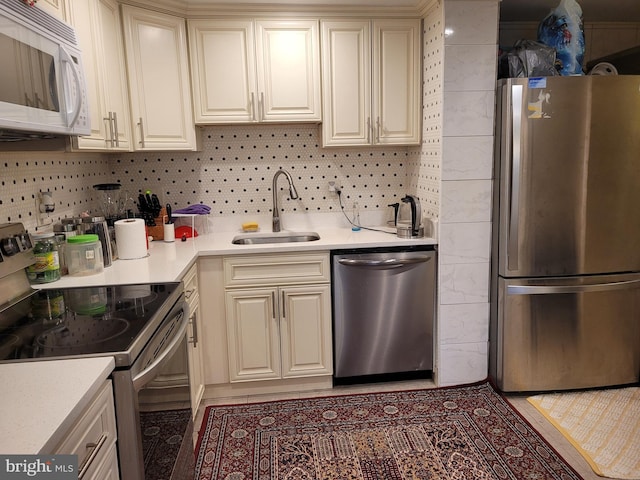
<point x="332" y="187"/>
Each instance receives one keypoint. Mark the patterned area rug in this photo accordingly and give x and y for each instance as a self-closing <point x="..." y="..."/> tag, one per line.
<point x="603" y="425"/>
<point x="467" y="432"/>
<point x="165" y="446"/>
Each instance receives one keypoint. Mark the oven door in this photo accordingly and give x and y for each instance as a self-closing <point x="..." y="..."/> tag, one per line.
<point x="153" y="406"/>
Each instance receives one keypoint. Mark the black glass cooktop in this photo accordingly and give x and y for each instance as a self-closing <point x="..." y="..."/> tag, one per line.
<point x="83" y="321"/>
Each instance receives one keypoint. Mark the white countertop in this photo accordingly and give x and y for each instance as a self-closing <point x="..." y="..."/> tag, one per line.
<point x="168" y="262"/>
<point x="40" y="401"/>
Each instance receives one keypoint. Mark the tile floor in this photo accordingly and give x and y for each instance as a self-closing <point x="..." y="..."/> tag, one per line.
<point x="548" y="431"/>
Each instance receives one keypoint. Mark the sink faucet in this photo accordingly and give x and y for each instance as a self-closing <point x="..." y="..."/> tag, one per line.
<point x="274" y="188"/>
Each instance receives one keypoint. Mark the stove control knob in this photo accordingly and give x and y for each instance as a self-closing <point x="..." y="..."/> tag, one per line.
<point x="9" y="246"/>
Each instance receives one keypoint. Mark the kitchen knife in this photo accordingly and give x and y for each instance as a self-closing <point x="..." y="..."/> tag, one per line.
<point x="169" y="219"/>
<point x="142" y="204"/>
<point x="155" y="203"/>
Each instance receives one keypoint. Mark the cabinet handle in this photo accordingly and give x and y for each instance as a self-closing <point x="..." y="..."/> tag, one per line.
<point x="369" y="128"/>
<point x="253" y="106"/>
<point x="115" y="128"/>
<point x="109" y="119"/>
<point x="261" y="107"/>
<point x="188" y="293"/>
<point x="378" y="130"/>
<point x="273" y="303"/>
<point x="284" y="312"/>
<point x="194" y="329"/>
<point x="93" y="448"/>
<point x="141" y="124"/>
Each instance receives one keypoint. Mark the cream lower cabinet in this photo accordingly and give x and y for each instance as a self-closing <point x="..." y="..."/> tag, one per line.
<point x="159" y="85"/>
<point x="248" y="70"/>
<point x="93" y="439"/>
<point x="98" y="27"/>
<point x="194" y="347"/>
<point x="280" y="327"/>
<point x="371" y="82"/>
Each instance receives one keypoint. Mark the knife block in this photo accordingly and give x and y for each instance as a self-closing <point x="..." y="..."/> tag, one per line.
<point x="157" y="232"/>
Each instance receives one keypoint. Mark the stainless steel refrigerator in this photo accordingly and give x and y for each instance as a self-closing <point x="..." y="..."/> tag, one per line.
<point x="565" y="299"/>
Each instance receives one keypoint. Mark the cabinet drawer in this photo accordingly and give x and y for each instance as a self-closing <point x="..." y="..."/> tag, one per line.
<point x="276" y="269"/>
<point x="94" y="433"/>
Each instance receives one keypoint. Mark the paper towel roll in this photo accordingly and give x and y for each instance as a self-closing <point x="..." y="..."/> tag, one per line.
<point x="131" y="238"/>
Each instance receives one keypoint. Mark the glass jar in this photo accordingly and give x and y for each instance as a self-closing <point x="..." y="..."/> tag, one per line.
<point x="47" y="262"/>
<point x="84" y="254"/>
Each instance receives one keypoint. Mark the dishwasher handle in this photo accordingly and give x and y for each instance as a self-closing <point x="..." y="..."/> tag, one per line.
<point x="390" y="262"/>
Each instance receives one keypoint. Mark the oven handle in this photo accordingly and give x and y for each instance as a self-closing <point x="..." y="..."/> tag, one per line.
<point x="148" y="373"/>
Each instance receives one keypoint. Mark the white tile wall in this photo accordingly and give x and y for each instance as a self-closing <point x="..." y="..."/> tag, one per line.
<point x="465" y="211"/>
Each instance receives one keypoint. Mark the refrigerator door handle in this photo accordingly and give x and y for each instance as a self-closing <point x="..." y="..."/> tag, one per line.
<point x="516" y="150"/>
<point x="546" y="289"/>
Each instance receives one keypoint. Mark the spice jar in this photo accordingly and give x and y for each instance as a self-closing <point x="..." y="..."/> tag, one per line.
<point x="47" y="262"/>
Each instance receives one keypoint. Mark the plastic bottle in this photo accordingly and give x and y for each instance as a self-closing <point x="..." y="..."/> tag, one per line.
<point x="356" y="217"/>
<point x="47" y="262"/>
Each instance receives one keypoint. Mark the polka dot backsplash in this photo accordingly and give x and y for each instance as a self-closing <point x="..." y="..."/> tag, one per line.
<point x="69" y="177"/>
<point x="424" y="171"/>
<point x="233" y="173"/>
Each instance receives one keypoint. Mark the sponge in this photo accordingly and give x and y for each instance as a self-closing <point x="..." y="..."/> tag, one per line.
<point x="250" y="227"/>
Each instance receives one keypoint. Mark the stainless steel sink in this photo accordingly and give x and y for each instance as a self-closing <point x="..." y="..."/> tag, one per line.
<point x="273" y="237"/>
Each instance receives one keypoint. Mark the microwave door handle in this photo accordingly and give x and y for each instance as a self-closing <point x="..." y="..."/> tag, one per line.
<point x="75" y="113"/>
<point x="148" y="373"/>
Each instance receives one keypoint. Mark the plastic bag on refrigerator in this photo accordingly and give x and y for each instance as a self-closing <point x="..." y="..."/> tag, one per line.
<point x="562" y="30"/>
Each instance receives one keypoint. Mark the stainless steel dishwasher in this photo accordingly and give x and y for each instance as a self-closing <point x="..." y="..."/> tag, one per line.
<point x="383" y="310"/>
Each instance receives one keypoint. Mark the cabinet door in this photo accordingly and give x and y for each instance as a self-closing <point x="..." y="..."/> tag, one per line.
<point x="253" y="334"/>
<point x="306" y="331"/>
<point x="223" y="70"/>
<point x="288" y="66"/>
<point x="346" y="77"/>
<point x="196" y="377"/>
<point x="97" y="25"/>
<point x="157" y="67"/>
<point x="396" y="109"/>
<point x="114" y="76"/>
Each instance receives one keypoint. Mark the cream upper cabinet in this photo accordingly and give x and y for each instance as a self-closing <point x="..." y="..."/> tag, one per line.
<point x="98" y="27"/>
<point x="255" y="70"/>
<point x="158" y="73"/>
<point x="371" y="82"/>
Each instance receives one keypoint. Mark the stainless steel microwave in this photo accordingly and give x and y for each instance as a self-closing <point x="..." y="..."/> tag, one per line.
<point x="42" y="85"/>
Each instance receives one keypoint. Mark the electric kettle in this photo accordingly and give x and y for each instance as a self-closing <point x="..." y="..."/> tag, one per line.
<point x="409" y="218"/>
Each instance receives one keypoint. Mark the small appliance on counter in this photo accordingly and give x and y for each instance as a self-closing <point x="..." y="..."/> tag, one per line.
<point x="407" y="217"/>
